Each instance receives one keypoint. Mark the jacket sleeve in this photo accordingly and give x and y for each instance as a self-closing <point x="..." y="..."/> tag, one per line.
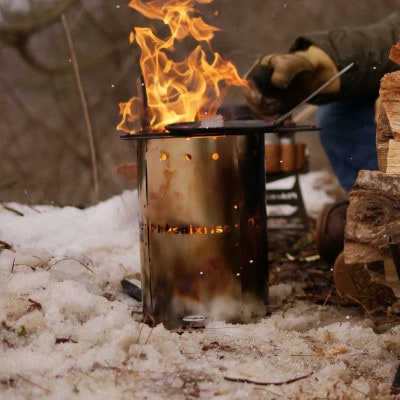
<point x="368" y="47"/>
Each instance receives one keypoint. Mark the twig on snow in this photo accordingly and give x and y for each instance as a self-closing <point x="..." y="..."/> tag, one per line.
<point x="150" y="318"/>
<point x="11" y="209"/>
<point x="73" y="259"/>
<point x="245" y="380"/>
<point x="328" y="296"/>
<point x="48" y="391"/>
<point x="5" y="245"/>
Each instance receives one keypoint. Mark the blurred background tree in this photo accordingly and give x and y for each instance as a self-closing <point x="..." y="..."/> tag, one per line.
<point x="44" y="150"/>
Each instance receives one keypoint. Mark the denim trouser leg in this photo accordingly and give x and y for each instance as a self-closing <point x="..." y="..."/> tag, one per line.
<point x="348" y="136"/>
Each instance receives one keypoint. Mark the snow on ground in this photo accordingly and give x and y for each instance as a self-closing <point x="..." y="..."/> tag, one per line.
<point x="68" y="331"/>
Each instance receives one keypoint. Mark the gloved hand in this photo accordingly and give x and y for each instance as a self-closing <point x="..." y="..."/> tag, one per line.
<point x="278" y="82"/>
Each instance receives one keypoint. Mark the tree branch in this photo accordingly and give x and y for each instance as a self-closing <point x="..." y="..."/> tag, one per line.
<point x="82" y="96"/>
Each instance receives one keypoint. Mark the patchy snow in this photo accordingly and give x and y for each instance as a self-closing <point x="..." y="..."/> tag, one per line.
<point x="68" y="330"/>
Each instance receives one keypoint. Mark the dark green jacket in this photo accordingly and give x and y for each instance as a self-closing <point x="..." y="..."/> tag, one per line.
<point x="368" y="47"/>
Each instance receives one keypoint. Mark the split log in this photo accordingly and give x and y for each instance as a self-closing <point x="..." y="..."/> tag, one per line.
<point x="394" y="54"/>
<point x="388" y="123"/>
<point x="383" y="135"/>
<point x="373" y="216"/>
<point x="393" y="157"/>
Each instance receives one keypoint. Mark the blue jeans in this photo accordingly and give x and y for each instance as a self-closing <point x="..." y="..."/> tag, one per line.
<point x="348" y="132"/>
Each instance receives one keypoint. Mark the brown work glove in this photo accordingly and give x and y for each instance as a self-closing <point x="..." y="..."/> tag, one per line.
<point x="278" y="82"/>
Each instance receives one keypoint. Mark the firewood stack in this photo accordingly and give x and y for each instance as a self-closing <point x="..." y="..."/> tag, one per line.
<point x="373" y="215"/>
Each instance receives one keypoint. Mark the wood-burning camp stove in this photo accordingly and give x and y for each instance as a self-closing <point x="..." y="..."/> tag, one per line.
<point x="203" y="233"/>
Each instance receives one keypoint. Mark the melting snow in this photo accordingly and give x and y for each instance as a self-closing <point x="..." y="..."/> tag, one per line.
<point x="68" y="330"/>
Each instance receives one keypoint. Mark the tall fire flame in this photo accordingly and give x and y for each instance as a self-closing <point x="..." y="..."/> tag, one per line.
<point x="177" y="91"/>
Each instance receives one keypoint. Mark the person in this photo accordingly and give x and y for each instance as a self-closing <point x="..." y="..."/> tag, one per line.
<point x="346" y="108"/>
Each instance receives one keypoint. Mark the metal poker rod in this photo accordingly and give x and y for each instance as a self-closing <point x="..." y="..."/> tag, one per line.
<point x="313" y="94"/>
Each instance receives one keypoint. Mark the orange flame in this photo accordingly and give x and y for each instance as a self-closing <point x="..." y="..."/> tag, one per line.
<point x="177" y="91"/>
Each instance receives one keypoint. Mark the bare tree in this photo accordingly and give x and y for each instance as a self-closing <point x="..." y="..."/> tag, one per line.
<point x="43" y="125"/>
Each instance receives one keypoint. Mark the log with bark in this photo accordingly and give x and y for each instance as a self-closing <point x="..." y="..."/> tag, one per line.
<point x="373" y="216"/>
<point x="394" y="54"/>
